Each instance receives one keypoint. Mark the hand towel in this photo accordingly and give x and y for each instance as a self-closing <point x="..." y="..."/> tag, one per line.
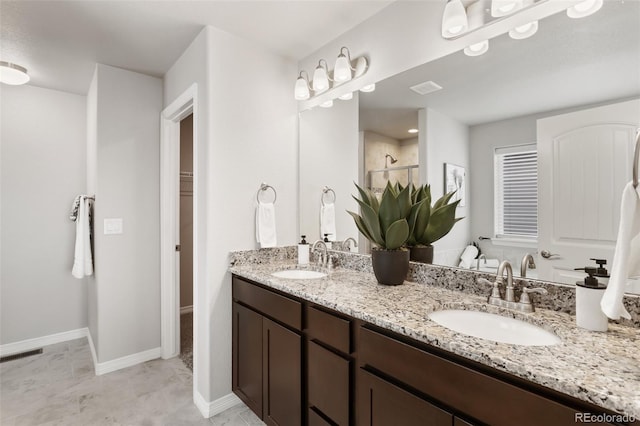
<point x="75" y="207"/>
<point x="468" y="256"/>
<point x="83" y="260"/>
<point x="626" y="258"/>
<point x="328" y="221"/>
<point x="266" y="225"/>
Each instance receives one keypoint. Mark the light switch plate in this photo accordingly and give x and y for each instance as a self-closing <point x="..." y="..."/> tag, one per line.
<point x="113" y="226"/>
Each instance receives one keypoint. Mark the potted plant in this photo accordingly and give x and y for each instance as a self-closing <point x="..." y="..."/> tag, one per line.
<point x="430" y="223"/>
<point x="386" y="224"/>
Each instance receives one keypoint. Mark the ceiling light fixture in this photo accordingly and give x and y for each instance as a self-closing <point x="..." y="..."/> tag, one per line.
<point x="412" y="131"/>
<point x="324" y="80"/>
<point x="13" y="74"/>
<point x="584" y="8"/>
<point x="454" y="19"/>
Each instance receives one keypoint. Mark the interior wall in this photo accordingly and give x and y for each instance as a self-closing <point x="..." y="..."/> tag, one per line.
<point x="42" y="170"/>
<point x="92" y="186"/>
<point x="447" y="141"/>
<point x="329" y="157"/>
<point x="239" y="144"/>
<point x="127" y="265"/>
<point x="376" y="146"/>
<point x="186" y="212"/>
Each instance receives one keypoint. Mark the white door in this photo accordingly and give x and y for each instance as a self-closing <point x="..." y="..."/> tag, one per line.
<point x="584" y="162"/>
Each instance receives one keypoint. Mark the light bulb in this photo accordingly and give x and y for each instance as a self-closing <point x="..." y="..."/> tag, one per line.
<point x="327" y="104"/>
<point x="584" y="8"/>
<point x="454" y="19"/>
<point x="320" y="79"/>
<point x="369" y="88"/>
<point x="342" y="70"/>
<point x="301" y="91"/>
<point x="504" y="7"/>
<point x="524" y="31"/>
<point x="346" y="96"/>
<point x="477" y="49"/>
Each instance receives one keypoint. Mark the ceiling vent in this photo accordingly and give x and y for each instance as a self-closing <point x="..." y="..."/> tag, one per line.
<point x="426" y="87"/>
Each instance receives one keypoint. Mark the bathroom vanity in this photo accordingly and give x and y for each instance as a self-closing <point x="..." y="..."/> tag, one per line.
<point x="343" y="350"/>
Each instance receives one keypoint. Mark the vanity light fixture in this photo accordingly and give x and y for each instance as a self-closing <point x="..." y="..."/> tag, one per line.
<point x="475" y="14"/>
<point x="327" y="104"/>
<point x="13" y="74"/>
<point x="584" y="8"/>
<point x="454" y="19"/>
<point x="412" y="131"/>
<point x="323" y="79"/>
<point x="527" y="30"/>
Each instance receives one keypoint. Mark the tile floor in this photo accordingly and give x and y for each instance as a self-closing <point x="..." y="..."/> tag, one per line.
<point x="59" y="387"/>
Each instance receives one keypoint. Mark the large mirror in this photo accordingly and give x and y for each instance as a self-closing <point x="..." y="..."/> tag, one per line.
<point x="555" y="113"/>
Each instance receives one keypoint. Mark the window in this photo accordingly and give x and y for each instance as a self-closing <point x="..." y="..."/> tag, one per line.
<point x="516" y="192"/>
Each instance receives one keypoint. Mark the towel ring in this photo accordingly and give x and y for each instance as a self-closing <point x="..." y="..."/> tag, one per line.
<point x="264" y="187"/>
<point x="636" y="159"/>
<point x="325" y="191"/>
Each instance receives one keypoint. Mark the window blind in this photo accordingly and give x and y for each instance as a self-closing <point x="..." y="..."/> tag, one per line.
<point x="516" y="192"/>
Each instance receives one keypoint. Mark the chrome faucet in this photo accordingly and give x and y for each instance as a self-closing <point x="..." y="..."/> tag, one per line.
<point x="495" y="298"/>
<point x="482" y="256"/>
<point x="355" y="243"/>
<point x="324" y="258"/>
<point x="527" y="262"/>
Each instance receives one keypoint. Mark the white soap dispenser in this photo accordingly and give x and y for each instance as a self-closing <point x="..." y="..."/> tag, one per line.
<point x="588" y="296"/>
<point x="303" y="251"/>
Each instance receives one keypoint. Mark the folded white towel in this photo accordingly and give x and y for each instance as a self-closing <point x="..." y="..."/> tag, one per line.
<point x="83" y="260"/>
<point x="467" y="257"/>
<point x="626" y="258"/>
<point x="328" y="221"/>
<point x="266" y="225"/>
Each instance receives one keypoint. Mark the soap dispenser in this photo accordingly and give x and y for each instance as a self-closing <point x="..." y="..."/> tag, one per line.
<point x="327" y="242"/>
<point x="588" y="296"/>
<point x="303" y="251"/>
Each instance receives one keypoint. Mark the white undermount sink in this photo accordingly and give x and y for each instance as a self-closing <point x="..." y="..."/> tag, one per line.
<point x="299" y="274"/>
<point x="494" y="327"/>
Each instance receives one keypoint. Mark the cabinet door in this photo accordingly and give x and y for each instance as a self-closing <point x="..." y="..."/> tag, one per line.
<point x="247" y="357"/>
<point x="328" y="377"/>
<point x="381" y="403"/>
<point x="282" y="365"/>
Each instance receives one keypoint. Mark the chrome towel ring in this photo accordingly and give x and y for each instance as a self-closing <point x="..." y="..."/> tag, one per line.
<point x="264" y="187"/>
<point x="326" y="190"/>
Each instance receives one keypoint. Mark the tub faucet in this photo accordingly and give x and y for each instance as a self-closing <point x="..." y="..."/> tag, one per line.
<point x="527" y="262"/>
<point x="324" y="258"/>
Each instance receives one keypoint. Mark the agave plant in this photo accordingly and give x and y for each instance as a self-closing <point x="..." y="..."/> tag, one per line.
<point x="387" y="223"/>
<point x="430" y="223"/>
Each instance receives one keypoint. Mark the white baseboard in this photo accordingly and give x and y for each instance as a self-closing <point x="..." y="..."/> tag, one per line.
<point x="186" y="309"/>
<point x="127" y="361"/>
<point x="210" y="409"/>
<point x="38" y="342"/>
<point x="94" y="354"/>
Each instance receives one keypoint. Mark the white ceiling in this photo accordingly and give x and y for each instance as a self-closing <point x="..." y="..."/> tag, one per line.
<point x="569" y="62"/>
<point x="59" y="42"/>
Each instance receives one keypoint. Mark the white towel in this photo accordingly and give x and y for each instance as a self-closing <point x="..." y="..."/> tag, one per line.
<point x="468" y="256"/>
<point x="83" y="260"/>
<point x="626" y="258"/>
<point x="266" y="225"/>
<point x="328" y="221"/>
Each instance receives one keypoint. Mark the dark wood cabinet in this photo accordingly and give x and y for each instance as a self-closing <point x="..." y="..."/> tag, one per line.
<point x="381" y="403"/>
<point x="296" y="363"/>
<point x="282" y="377"/>
<point x="267" y="353"/>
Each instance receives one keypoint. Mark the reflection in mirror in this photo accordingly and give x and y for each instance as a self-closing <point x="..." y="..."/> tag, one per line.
<point x="571" y="91"/>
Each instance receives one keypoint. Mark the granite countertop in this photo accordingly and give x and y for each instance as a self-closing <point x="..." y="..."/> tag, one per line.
<point x="600" y="368"/>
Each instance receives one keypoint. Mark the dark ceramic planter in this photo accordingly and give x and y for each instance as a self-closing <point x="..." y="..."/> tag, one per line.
<point x="422" y="254"/>
<point x="390" y="266"/>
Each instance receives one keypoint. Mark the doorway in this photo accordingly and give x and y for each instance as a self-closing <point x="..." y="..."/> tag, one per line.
<point x="185" y="238"/>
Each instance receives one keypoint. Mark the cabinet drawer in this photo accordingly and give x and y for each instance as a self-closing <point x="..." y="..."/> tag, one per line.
<point x="329" y="329"/>
<point x="476" y="394"/>
<point x="328" y="378"/>
<point x="281" y="308"/>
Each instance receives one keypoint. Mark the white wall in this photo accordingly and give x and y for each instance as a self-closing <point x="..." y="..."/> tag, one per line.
<point x="447" y="141"/>
<point x="126" y="175"/>
<point x="246" y="134"/>
<point x="329" y="156"/>
<point x="92" y="185"/>
<point x="43" y="169"/>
